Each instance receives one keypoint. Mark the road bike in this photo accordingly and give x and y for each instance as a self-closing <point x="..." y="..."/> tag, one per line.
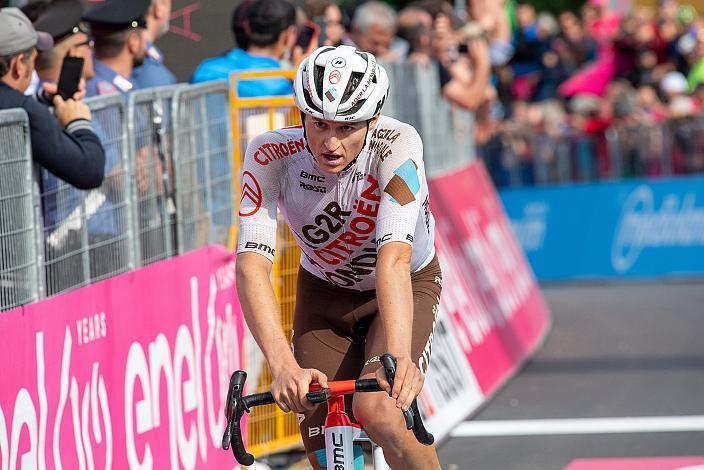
<point x="340" y="432"/>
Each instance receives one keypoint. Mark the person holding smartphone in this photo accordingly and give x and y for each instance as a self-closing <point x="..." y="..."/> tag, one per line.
<point x="65" y="145"/>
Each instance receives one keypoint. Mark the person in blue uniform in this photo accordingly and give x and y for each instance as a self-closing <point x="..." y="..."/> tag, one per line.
<point x="62" y="19"/>
<point x="153" y="72"/>
<point x="117" y="27"/>
<point x="271" y="35"/>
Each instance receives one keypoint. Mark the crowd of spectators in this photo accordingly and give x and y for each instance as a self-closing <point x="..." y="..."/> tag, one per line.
<point x="607" y="85"/>
<point x="584" y="79"/>
<point x="608" y="94"/>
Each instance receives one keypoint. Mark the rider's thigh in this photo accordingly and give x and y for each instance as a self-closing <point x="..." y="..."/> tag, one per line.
<point x="379" y="416"/>
<point x="427" y="286"/>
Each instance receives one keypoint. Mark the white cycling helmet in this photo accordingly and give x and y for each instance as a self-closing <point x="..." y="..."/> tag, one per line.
<point x="340" y="84"/>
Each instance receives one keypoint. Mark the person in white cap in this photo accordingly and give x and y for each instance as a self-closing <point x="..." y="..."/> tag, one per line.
<point x="65" y="145"/>
<point x="673" y="84"/>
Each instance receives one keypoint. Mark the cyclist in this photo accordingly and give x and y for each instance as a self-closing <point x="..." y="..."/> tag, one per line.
<point x="350" y="183"/>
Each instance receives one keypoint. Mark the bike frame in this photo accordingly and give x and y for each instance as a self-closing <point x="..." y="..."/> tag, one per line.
<point x="340" y="431"/>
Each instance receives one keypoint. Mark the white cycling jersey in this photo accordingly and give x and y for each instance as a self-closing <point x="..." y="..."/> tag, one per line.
<point x="339" y="221"/>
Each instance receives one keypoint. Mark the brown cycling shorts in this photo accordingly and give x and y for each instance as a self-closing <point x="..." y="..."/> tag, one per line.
<point x="330" y="326"/>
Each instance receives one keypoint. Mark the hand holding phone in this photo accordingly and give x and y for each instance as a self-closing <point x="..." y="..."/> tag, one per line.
<point x="309" y="30"/>
<point x="70" y="77"/>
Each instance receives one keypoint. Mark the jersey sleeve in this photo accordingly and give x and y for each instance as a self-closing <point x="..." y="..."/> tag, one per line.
<point x="260" y="183"/>
<point x="401" y="176"/>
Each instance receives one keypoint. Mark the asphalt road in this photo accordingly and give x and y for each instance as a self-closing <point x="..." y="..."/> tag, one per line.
<point x="620" y="375"/>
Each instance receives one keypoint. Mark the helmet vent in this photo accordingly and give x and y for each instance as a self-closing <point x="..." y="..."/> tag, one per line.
<point x="352" y="85"/>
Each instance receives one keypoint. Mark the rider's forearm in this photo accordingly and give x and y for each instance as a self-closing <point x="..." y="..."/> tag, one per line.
<point x="261" y="310"/>
<point x="395" y="298"/>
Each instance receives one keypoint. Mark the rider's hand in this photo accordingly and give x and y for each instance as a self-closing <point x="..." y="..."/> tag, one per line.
<point x="289" y="388"/>
<point x="408" y="382"/>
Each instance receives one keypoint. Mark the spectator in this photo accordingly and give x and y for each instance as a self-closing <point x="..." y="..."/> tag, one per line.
<point x="117" y="26"/>
<point x="239" y="24"/>
<point x="415" y="26"/>
<point x="62" y="19"/>
<point x="153" y="72"/>
<point x="464" y="77"/>
<point x="673" y="84"/>
<point x="67" y="148"/>
<point x="329" y="16"/>
<point x="373" y="30"/>
<point x="32" y="10"/>
<point x="271" y="35"/>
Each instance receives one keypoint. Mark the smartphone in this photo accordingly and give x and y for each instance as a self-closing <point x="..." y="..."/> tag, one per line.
<point x="308" y="30"/>
<point x="70" y="77"/>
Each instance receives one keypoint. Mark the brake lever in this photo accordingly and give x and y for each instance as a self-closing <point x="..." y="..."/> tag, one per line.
<point x="389" y="364"/>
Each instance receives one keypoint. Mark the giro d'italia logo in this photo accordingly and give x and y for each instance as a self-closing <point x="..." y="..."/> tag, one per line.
<point x="338" y="62"/>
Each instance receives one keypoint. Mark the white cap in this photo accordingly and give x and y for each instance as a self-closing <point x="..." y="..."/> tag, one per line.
<point x="674" y="83"/>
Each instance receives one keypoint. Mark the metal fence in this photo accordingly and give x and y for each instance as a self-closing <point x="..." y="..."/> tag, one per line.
<point x="203" y="165"/>
<point x="447" y="131"/>
<point x="150" y="135"/>
<point x="523" y="156"/>
<point x="87" y="234"/>
<point x="20" y="280"/>
<point x="52" y="233"/>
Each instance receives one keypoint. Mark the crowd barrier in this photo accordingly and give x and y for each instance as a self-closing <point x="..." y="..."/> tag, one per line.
<point x="21" y="281"/>
<point x="522" y="156"/>
<point x="447" y="131"/>
<point x="159" y="140"/>
<point x="627" y="229"/>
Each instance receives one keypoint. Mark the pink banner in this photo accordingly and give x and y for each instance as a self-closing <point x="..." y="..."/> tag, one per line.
<point x="490" y="293"/>
<point x="131" y="372"/>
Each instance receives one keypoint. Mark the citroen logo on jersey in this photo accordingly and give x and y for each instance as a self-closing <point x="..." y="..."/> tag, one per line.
<point x="251" y="195"/>
<point x="338" y="62"/>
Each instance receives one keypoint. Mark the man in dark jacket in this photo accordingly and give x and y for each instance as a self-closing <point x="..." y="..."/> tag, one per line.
<point x="65" y="145"/>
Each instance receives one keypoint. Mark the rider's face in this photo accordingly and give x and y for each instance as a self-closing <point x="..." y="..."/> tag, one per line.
<point x="335" y="144"/>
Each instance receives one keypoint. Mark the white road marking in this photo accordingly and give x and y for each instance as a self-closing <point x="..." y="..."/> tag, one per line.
<point x="541" y="427"/>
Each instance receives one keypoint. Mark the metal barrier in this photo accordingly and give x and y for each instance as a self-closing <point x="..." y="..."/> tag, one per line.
<point x="150" y="131"/>
<point x="447" y="131"/>
<point x="268" y="430"/>
<point x="523" y="156"/>
<point x="202" y="155"/>
<point x="87" y="233"/>
<point x="20" y="279"/>
<point x="71" y="238"/>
